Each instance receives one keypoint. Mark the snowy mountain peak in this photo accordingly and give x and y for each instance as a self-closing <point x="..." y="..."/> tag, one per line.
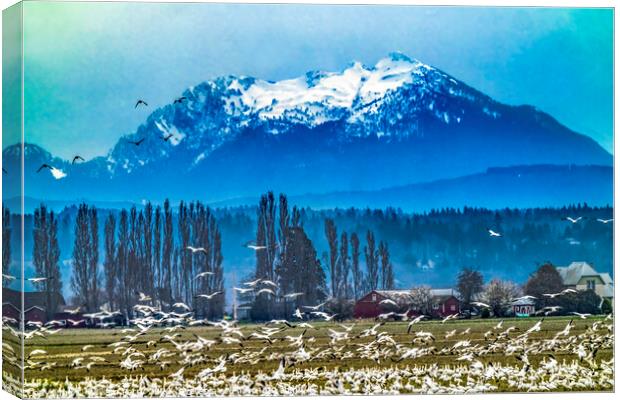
<point x="312" y="98"/>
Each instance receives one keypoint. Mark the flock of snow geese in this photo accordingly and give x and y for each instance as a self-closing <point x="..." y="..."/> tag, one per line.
<point x="162" y="355"/>
<point x="309" y="354"/>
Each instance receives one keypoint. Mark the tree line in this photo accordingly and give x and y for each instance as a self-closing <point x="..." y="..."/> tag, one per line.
<point x="288" y="257"/>
<point x="145" y="259"/>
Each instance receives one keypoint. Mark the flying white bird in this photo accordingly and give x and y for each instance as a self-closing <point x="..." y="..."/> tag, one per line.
<point x="314" y="308"/>
<point x="388" y="301"/>
<point x="253" y="283"/>
<point x="492" y="233"/>
<point x="243" y="290"/>
<point x="265" y="290"/>
<point x="208" y="296"/>
<point x="293" y="295"/>
<point x="414" y="321"/>
<point x="449" y="317"/>
<point x="182" y="305"/>
<point x="298" y="314"/>
<point x="143" y="297"/>
<point x="252" y="246"/>
<point x="582" y="316"/>
<point x="203" y="274"/>
<point x="323" y="315"/>
<point x="36" y="280"/>
<point x="8" y="277"/>
<point x="573" y="220"/>
<point x="605" y="221"/>
<point x="196" y="249"/>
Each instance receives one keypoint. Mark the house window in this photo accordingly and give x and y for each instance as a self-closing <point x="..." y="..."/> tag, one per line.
<point x="435" y="306"/>
<point x="374" y="297"/>
<point x="452" y="307"/>
<point x="590" y="284"/>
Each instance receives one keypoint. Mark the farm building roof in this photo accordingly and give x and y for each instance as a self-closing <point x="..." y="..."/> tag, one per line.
<point x="523" y="302"/>
<point x="405" y="296"/>
<point x="31" y="299"/>
<point x="576" y="270"/>
<point x="399" y="296"/>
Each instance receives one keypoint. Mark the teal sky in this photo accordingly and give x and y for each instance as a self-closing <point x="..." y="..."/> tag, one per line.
<point x="87" y="63"/>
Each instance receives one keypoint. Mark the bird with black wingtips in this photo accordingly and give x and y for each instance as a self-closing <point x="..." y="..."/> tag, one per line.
<point x="77" y="158"/>
<point x="167" y="137"/>
<point x="43" y="166"/>
<point x="141" y="102"/>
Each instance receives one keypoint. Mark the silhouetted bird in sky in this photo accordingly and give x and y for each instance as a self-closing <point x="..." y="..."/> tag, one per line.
<point x="44" y="166"/>
<point x="144" y="103"/>
<point x="56" y="173"/>
<point x="77" y="158"/>
<point x="138" y="143"/>
<point x="167" y="137"/>
<point x="180" y="100"/>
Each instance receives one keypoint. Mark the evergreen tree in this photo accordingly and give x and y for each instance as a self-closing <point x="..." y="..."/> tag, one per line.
<point x="157" y="254"/>
<point x="46" y="255"/>
<point x="372" y="264"/>
<point x="109" y="262"/>
<point x="358" y="275"/>
<point x="85" y="257"/>
<point x="122" y="265"/>
<point x="93" y="258"/>
<point x="306" y="274"/>
<point x="167" y="253"/>
<point x="343" y="284"/>
<point x="263" y="306"/>
<point x="332" y="242"/>
<point x="185" y="254"/>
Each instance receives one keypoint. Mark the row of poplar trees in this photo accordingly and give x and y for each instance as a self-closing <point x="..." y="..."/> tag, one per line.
<point x="348" y="279"/>
<point x="143" y="256"/>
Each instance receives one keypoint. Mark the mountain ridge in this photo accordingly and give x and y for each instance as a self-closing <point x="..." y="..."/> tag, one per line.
<point x="399" y="122"/>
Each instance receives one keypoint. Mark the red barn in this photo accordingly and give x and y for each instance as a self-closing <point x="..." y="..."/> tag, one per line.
<point x="443" y="303"/>
<point x="35" y="314"/>
<point x="34" y="305"/>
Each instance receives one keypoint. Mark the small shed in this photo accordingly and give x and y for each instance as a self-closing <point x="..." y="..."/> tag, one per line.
<point x="523" y="307"/>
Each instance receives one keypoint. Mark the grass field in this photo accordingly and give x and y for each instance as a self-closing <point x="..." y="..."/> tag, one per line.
<point x="382" y="350"/>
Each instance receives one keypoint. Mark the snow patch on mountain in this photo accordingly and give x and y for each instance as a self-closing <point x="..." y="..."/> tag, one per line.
<point x="166" y="129"/>
<point x="313" y="98"/>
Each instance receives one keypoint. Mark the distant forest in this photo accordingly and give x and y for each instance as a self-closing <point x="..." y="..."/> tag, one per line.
<point x="99" y="256"/>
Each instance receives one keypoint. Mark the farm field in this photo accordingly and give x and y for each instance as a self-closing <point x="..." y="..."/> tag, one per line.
<point x="325" y="357"/>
